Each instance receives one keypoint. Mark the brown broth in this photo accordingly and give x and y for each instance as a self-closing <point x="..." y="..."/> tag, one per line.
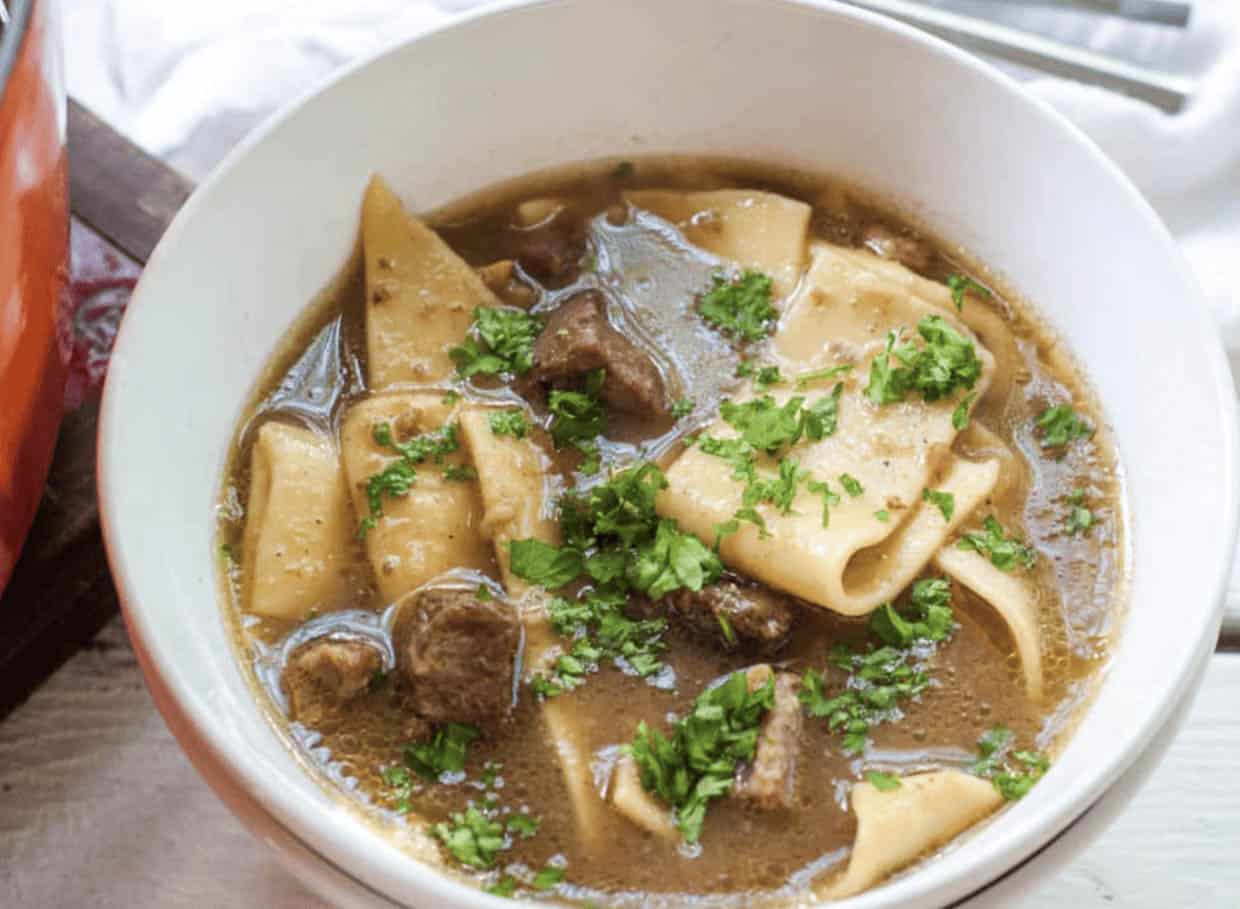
<point x="745" y="855"/>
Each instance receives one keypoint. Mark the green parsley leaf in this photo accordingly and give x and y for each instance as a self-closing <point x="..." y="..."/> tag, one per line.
<point x="883" y="782"/>
<point x="806" y="379"/>
<point x="543" y="564"/>
<point x="672" y="560"/>
<point x="398" y="477"/>
<point x="523" y="825"/>
<point x="879" y="680"/>
<point x="764" y="424"/>
<point x="226" y="550"/>
<point x="548" y="877"/>
<point x="473" y="838"/>
<point x="509" y="423"/>
<point x="444" y="753"/>
<point x="883" y="515"/>
<point x="946" y="361"/>
<point x="578" y="416"/>
<point x="960" y="416"/>
<point x="490" y="773"/>
<point x="460" y="473"/>
<point x="682" y="408"/>
<point x="501" y="341"/>
<point x="402" y="783"/>
<point x="505" y="887"/>
<point x="931" y="620"/>
<point x="1013" y="777"/>
<point x="959" y="285"/>
<point x="1080" y="519"/>
<point x="944" y="501"/>
<point x="1060" y="425"/>
<point x="829" y="499"/>
<point x="740" y="308"/>
<point x="697" y="763"/>
<point x="1005" y="552"/>
<point x="851" y="485"/>
<point x="822" y="418"/>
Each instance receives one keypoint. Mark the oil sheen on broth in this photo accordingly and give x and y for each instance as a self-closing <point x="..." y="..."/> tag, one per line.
<point x="663" y="292"/>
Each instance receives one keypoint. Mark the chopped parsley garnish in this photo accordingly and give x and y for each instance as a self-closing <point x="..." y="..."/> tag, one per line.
<point x="509" y="423"/>
<point x="548" y="877"/>
<point x="1013" y="774"/>
<point x="1080" y="518"/>
<point x="883" y="782"/>
<point x="523" y="825"/>
<point x="879" y="679"/>
<point x="768" y="375"/>
<point x="451" y="396"/>
<point x="943" y="501"/>
<point x="697" y="762"/>
<point x="460" y="473"/>
<point x="805" y="379"/>
<point x="472" y="836"/>
<point x="959" y="285"/>
<point x="930" y="620"/>
<point x="578" y="415"/>
<point x="227" y="551"/>
<point x="770" y="427"/>
<point x="402" y="784"/>
<point x="490" y="774"/>
<point x="613" y="538"/>
<point x="504" y="888"/>
<point x="829" y="499"/>
<point x="544" y="564"/>
<point x="444" y="753"/>
<point x="398" y="477"/>
<point x="1060" y="425"/>
<point x="682" y="408"/>
<point x="501" y="342"/>
<point x="740" y="308"/>
<point x="960" y="416"/>
<point x="946" y="361"/>
<point x="851" y="485"/>
<point x="883" y="515"/>
<point x="1004" y="552"/>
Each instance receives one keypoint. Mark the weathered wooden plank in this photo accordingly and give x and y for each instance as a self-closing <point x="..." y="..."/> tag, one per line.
<point x="126" y="195"/>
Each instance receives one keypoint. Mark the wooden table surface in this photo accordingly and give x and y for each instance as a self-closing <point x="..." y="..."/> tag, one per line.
<point x="101" y="809"/>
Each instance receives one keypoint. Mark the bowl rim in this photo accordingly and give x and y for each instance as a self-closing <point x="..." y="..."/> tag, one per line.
<point x="438" y="883"/>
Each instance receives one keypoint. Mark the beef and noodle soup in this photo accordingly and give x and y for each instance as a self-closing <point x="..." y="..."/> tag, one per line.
<point x="671" y="531"/>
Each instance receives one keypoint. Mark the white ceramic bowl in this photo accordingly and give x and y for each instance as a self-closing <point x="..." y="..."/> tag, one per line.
<point x="520" y="88"/>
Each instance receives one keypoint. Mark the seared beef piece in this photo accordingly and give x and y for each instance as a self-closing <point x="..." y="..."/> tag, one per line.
<point x="578" y="338"/>
<point x="770" y="779"/>
<point x="550" y="250"/>
<point x="458" y="652"/>
<point x="329" y="669"/>
<point x="906" y="250"/>
<point x="754" y="615"/>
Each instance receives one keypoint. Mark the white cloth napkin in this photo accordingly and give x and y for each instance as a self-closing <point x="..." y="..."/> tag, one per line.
<point x="187" y="80"/>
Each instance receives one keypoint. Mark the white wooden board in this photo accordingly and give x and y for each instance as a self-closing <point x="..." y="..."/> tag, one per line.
<point x="100" y="809"/>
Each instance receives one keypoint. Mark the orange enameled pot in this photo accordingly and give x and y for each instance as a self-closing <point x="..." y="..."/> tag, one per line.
<point x="34" y="234"/>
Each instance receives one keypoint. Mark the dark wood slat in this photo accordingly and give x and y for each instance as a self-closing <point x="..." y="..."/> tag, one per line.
<point x="126" y="195"/>
<point x="61" y="592"/>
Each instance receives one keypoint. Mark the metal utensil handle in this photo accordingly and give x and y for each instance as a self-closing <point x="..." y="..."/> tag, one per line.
<point x="1168" y="93"/>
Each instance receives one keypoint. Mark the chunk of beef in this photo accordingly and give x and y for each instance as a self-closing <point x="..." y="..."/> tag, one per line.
<point x="907" y="251"/>
<point x="578" y="338"/>
<point x="458" y="652"/>
<point x="550" y="249"/>
<point x="329" y="670"/>
<point x="734" y="614"/>
<point x="770" y="779"/>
